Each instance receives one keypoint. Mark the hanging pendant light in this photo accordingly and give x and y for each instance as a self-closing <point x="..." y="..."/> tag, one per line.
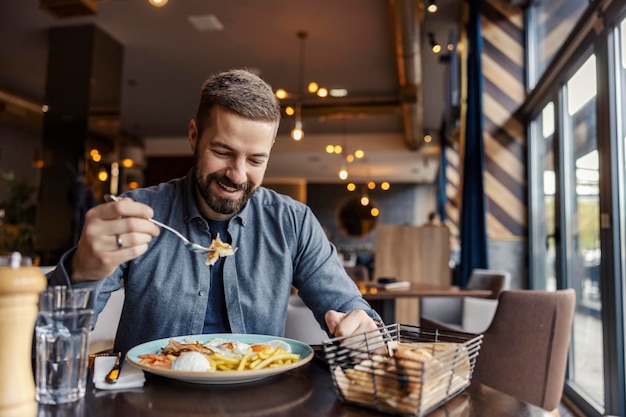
<point x="343" y="173"/>
<point x="157" y="3"/>
<point x="297" y="133"/>
<point x="434" y="45"/>
<point x="431" y="6"/>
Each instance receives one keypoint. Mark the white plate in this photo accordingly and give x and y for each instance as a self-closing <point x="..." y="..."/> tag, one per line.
<point x="219" y="377"/>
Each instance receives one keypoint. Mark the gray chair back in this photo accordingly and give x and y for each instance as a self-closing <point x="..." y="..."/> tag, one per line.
<point x="489" y="279"/>
<point x="449" y="310"/>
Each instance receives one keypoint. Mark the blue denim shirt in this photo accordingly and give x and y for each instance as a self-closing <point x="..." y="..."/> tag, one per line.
<point x="280" y="243"/>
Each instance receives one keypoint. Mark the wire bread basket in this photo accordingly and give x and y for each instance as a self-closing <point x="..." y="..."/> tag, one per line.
<point x="402" y="369"/>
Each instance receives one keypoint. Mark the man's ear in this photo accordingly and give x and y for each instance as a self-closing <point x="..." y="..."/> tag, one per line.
<point x="192" y="133"/>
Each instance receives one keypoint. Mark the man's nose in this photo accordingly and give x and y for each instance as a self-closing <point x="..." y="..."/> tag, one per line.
<point x="237" y="171"/>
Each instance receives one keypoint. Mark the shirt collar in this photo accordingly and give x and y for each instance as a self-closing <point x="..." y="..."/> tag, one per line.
<point x="190" y="208"/>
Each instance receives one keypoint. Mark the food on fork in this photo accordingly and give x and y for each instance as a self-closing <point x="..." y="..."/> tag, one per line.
<point x="219" y="249"/>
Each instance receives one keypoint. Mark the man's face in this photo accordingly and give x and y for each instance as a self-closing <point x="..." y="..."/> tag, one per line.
<point x="230" y="161"/>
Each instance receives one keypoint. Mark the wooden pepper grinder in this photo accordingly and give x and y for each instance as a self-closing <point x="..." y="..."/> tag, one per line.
<point x="20" y="287"/>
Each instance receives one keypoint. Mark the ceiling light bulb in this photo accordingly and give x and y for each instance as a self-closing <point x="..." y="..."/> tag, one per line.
<point x="351" y="186"/>
<point x="434" y="45"/>
<point x="281" y="93"/>
<point x="359" y="153"/>
<point x="103" y="175"/>
<point x="289" y="111"/>
<point x="350" y="158"/>
<point x="37" y="161"/>
<point x="338" y="149"/>
<point x="343" y="173"/>
<point x="428" y="138"/>
<point x="385" y="186"/>
<point x="330" y="148"/>
<point x="322" y="92"/>
<point x="432" y="7"/>
<point x="313" y="87"/>
<point x="374" y="212"/>
<point x="371" y="185"/>
<point x="338" y="92"/>
<point x="297" y="133"/>
<point x="158" y="3"/>
<point x="365" y="200"/>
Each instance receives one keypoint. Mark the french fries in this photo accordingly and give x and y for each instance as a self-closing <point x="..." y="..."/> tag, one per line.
<point x="251" y="360"/>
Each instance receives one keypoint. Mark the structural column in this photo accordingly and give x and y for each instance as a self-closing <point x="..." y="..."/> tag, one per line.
<point x="83" y="79"/>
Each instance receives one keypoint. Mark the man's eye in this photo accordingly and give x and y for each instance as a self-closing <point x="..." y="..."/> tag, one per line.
<point x="221" y="154"/>
<point x="257" y="162"/>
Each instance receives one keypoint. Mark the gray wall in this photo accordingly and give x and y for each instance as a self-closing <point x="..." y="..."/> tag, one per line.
<point x="401" y="204"/>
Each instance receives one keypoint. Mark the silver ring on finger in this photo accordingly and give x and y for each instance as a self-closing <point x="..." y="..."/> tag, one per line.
<point x="118" y="241"/>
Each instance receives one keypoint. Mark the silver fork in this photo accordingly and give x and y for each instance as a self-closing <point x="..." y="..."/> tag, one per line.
<point x="193" y="247"/>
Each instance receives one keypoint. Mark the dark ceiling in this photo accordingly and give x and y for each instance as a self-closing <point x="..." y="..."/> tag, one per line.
<point x="375" y="49"/>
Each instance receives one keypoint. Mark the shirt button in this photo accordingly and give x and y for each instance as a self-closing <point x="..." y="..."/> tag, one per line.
<point x="201" y="293"/>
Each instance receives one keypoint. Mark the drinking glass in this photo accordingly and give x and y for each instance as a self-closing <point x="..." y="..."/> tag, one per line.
<point x="61" y="355"/>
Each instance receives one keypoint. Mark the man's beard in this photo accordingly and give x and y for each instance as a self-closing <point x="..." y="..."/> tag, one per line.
<point x="219" y="204"/>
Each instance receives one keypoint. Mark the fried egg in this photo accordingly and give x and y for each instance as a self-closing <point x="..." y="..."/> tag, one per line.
<point x="279" y="344"/>
<point x="227" y="347"/>
<point x="234" y="348"/>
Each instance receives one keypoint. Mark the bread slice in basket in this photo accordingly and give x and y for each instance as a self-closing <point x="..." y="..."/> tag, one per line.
<point x="413" y="378"/>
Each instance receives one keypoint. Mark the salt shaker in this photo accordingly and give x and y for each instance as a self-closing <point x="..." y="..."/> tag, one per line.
<point x="20" y="287"/>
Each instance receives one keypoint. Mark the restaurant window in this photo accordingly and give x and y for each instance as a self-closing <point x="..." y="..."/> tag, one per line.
<point x="543" y="198"/>
<point x="565" y="216"/>
<point x="582" y="234"/>
<point x="620" y="91"/>
<point x="552" y="21"/>
<point x="577" y="179"/>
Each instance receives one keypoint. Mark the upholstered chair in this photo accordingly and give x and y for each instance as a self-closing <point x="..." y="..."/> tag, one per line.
<point x="524" y="350"/>
<point x="466" y="313"/>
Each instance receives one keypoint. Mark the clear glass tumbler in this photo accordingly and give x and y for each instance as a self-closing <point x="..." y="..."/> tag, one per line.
<point x="61" y="335"/>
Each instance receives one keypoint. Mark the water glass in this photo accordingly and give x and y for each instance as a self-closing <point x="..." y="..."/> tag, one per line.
<point x="61" y="335"/>
<point x="75" y="409"/>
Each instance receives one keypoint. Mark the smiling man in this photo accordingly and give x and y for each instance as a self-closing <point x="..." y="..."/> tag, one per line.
<point x="170" y="291"/>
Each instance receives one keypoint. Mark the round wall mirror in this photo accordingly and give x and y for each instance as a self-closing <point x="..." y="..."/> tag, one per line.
<point x="355" y="218"/>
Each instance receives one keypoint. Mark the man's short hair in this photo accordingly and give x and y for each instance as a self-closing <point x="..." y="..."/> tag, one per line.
<point x="240" y="92"/>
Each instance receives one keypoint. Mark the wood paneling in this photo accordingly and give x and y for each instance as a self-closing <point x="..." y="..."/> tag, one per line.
<point x="416" y="254"/>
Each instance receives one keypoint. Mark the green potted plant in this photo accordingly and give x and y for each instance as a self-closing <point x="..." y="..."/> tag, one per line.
<point x="17" y="218"/>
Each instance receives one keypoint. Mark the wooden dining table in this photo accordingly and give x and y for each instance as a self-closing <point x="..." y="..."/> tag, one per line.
<point x="384" y="300"/>
<point x="307" y="391"/>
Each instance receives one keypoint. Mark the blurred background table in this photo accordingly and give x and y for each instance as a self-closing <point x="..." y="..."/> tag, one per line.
<point x="384" y="301"/>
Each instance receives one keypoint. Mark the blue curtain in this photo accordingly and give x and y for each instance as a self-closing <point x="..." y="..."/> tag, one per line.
<point x="473" y="223"/>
